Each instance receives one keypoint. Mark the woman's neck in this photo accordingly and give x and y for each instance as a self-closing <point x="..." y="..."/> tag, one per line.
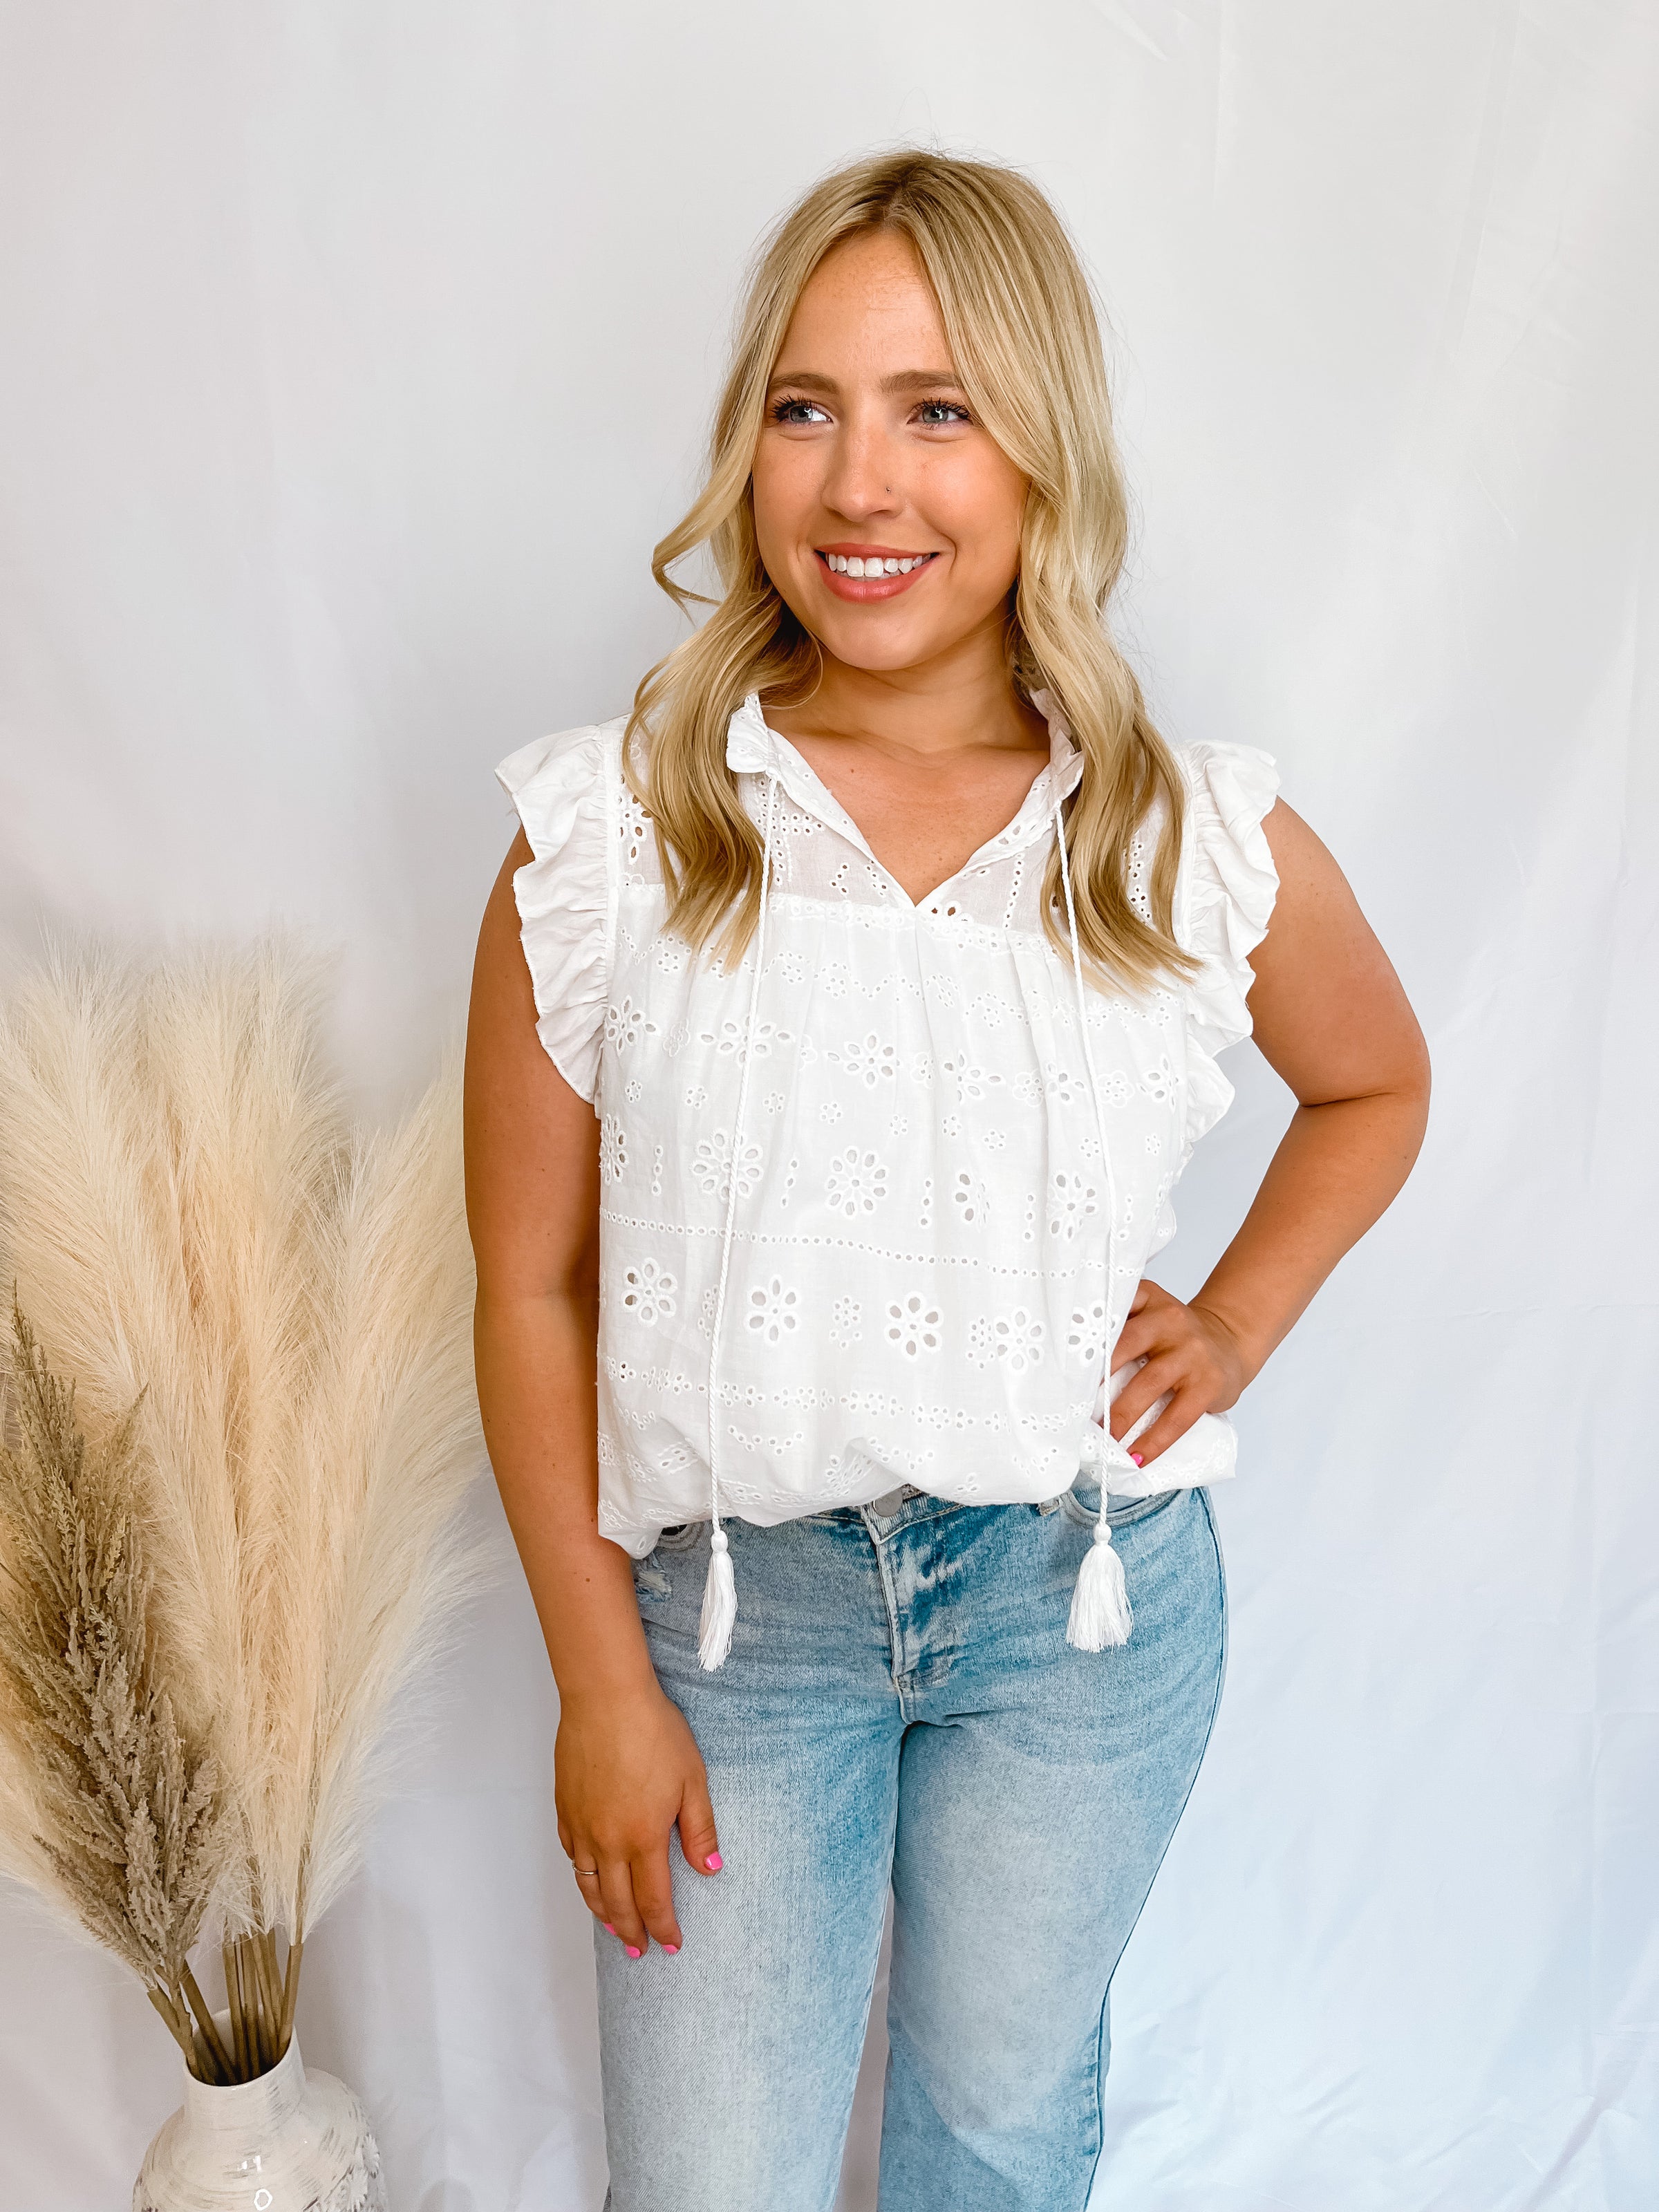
<point x="930" y="763"/>
<point x="964" y="701"/>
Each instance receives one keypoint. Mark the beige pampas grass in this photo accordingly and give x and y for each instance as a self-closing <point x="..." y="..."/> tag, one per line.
<point x="133" y="1830"/>
<point x="282" y="1304"/>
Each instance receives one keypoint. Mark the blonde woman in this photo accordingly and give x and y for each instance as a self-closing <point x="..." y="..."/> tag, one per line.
<point x="842" y="1019"/>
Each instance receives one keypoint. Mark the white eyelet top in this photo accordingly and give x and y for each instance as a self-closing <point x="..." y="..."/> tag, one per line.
<point x="911" y="1193"/>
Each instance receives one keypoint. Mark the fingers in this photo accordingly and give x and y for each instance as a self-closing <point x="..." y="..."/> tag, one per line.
<point x="617" y="1909"/>
<point x="1184" y="1407"/>
<point x="1188" y="1360"/>
<point x="654" y="1897"/>
<point x="1143" y="1326"/>
<point x="584" y="1853"/>
<point x="636" y="1898"/>
<point x="698" y="1840"/>
<point x="1168" y="1370"/>
<point x="632" y="1898"/>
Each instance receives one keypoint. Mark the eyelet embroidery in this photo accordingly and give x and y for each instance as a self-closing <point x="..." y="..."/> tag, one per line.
<point x="939" y="1049"/>
<point x="634" y="828"/>
<point x="730" y="1039"/>
<point x="967" y="1196"/>
<point x="914" y="1324"/>
<point x="1071" y="1201"/>
<point x="1086" y="1337"/>
<point x="857" y="1183"/>
<point x="648" y="1292"/>
<point x="625" y="1023"/>
<point x="868" y="1060"/>
<point x="845" y="1316"/>
<point x="1161" y="1082"/>
<point x="774" y="1309"/>
<point x="1016" y="1337"/>
<point x="711" y="1166"/>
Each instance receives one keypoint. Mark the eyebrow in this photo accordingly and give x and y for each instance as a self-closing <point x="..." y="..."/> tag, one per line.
<point x="906" y="379"/>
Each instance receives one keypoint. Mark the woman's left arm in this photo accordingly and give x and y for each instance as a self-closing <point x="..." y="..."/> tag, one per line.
<point x="1329" y="1016"/>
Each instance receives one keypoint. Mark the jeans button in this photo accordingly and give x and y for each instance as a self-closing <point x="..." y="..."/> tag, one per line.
<point x="889" y="1506"/>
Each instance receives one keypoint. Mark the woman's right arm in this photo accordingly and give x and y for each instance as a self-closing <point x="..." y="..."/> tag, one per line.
<point x="626" y="1767"/>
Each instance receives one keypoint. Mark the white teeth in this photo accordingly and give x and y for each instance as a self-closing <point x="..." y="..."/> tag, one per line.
<point x="853" y="564"/>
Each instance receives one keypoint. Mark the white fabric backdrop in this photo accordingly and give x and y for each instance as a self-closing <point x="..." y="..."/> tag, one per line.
<point x="354" y="355"/>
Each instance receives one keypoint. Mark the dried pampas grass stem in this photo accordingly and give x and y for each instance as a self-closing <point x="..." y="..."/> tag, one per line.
<point x="264" y="1314"/>
<point x="128" y="1810"/>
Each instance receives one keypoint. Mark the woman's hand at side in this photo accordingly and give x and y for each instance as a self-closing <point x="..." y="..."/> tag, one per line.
<point x="1330" y="1017"/>
<point x="1190" y="1354"/>
<point x="626" y="1769"/>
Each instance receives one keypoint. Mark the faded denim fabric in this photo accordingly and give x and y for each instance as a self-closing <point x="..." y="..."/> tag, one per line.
<point x="901" y="1704"/>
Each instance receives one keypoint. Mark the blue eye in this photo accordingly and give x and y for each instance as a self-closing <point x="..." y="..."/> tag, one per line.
<point x="935" y="413"/>
<point x="797" y="410"/>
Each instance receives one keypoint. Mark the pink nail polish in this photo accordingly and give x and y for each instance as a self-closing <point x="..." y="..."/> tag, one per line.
<point x="714" y="1861"/>
<point x="671" y="1948"/>
<point x="608" y="1929"/>
<point x="632" y="1950"/>
<point x="1138" y="1459"/>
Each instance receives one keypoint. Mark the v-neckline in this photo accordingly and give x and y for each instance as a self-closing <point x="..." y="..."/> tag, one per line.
<point x="1053" y="781"/>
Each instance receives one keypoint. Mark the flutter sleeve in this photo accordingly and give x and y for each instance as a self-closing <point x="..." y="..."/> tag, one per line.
<point x="559" y="785"/>
<point x="1224" y="898"/>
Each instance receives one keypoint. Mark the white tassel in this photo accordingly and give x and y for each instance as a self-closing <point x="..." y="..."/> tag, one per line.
<point x="719" y="1605"/>
<point x="1100" y="1604"/>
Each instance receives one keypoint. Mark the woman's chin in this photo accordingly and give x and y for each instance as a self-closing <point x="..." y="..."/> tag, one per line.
<point x="879" y="647"/>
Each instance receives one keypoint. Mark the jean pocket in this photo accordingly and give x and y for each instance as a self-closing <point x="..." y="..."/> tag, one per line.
<point x="1081" y="1504"/>
<point x="682" y="1536"/>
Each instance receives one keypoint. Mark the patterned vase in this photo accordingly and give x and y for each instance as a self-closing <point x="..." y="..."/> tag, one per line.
<point x="290" y="2141"/>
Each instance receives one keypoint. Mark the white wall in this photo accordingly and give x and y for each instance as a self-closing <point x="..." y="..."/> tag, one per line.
<point x="354" y="352"/>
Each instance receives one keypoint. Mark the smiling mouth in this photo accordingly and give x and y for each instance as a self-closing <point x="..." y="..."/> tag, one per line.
<point x="872" y="574"/>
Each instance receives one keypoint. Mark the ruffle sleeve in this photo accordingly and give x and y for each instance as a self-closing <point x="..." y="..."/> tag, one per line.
<point x="563" y="894"/>
<point x="1224" y="898"/>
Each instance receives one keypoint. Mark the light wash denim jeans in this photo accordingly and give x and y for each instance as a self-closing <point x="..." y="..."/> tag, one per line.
<point x="900" y="1704"/>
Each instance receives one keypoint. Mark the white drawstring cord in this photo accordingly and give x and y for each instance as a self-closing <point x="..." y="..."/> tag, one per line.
<point x="720" y="1592"/>
<point x="1100" y="1604"/>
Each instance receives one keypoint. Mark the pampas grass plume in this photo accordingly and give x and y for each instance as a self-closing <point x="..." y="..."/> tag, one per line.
<point x="278" y="1304"/>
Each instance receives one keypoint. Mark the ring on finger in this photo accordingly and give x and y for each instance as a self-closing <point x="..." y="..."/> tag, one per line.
<point x="585" y="1874"/>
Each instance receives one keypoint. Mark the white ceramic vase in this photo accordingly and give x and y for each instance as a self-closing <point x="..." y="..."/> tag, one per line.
<point x="290" y="2141"/>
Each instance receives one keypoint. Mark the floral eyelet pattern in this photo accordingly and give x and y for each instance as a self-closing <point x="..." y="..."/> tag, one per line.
<point x="648" y="1292"/>
<point x="774" y="1310"/>
<point x="714" y="1165"/>
<point x="931" y="1184"/>
<point x="914" y="1324"/>
<point x="857" y="1183"/>
<point x="1071" y="1200"/>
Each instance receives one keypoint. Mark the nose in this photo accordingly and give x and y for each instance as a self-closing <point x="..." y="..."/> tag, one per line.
<point x="863" y="476"/>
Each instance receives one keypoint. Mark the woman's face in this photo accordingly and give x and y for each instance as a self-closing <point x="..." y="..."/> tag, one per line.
<point x="869" y="455"/>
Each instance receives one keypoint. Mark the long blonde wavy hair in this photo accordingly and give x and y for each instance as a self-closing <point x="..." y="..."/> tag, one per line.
<point x="1025" y="342"/>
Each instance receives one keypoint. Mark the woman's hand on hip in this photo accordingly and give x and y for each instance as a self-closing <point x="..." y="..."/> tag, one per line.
<point x="627" y="1770"/>
<point x="1190" y="1353"/>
